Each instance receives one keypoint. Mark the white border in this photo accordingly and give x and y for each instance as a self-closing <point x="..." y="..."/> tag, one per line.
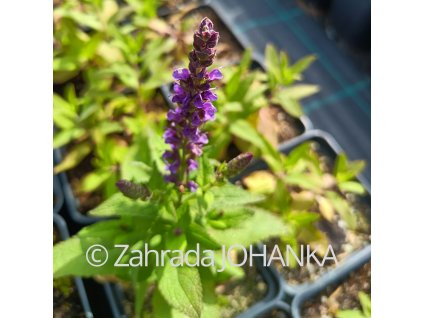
<point x="26" y="158"/>
<point x="397" y="161"/>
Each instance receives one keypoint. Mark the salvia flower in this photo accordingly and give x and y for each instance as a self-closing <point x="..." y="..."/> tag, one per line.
<point x="193" y="95"/>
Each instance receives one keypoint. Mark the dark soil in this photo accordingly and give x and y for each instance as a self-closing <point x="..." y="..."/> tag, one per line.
<point x="238" y="295"/>
<point x="277" y="125"/>
<point x="66" y="302"/>
<point x="342" y="297"/>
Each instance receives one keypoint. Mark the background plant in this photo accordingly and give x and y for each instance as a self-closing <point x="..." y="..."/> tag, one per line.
<point x="282" y="78"/>
<point x="365" y="311"/>
<point x="102" y="53"/>
<point x="307" y="188"/>
<point x="245" y="91"/>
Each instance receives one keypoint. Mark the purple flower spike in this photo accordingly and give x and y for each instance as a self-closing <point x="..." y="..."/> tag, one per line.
<point x="193" y="95"/>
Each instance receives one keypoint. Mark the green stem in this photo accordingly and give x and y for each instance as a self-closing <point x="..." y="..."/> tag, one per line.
<point x="140" y="289"/>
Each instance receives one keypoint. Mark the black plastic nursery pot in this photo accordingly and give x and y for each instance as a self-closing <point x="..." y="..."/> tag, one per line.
<point x="291" y="298"/>
<point x="58" y="198"/>
<point x="83" y="304"/>
<point x="318" y="6"/>
<point x="71" y="203"/>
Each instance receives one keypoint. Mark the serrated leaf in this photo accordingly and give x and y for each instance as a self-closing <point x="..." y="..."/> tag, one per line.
<point x="136" y="171"/>
<point x="260" y="226"/>
<point x="181" y="288"/>
<point x="69" y="257"/>
<point x="119" y="205"/>
<point x="198" y="234"/>
<point x="232" y="196"/>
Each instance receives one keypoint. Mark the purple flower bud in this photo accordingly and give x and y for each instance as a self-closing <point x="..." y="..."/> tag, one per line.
<point x="206" y="24"/>
<point x="192" y="186"/>
<point x="133" y="190"/>
<point x="238" y="164"/>
<point x="192" y="165"/>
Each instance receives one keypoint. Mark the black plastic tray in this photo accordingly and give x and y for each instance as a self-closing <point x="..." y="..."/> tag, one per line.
<point x="70" y="200"/>
<point x="58" y="197"/>
<point x="61" y="226"/>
